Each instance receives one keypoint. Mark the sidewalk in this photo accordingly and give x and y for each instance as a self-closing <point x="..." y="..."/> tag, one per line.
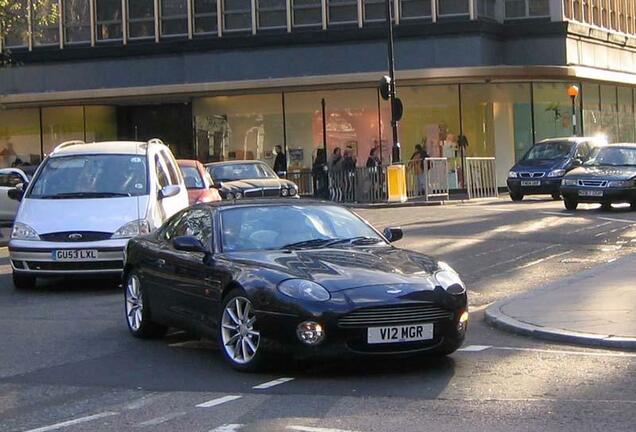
<point x="594" y="308"/>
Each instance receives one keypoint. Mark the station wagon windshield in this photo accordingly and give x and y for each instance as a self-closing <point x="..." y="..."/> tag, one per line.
<point x="231" y="172"/>
<point x="614" y="156"/>
<point x="551" y="150"/>
<point x="91" y="176"/>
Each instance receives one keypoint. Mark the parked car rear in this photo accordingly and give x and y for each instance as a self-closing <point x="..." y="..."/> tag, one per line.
<point x="198" y="182"/>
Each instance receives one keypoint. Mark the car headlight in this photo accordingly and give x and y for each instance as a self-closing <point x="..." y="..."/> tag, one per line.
<point x="23" y="232"/>
<point x="229" y="195"/>
<point x="284" y="192"/>
<point x="512" y="174"/>
<point x="132" y="229"/>
<point x="556" y="173"/>
<point x="238" y="195"/>
<point x="569" y="182"/>
<point x="303" y="289"/>
<point x="621" y="183"/>
<point x="292" y="191"/>
<point x="448" y="279"/>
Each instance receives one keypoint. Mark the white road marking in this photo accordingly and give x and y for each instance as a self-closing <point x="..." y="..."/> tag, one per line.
<point x="159" y="420"/>
<point x="472" y="309"/>
<point x="496" y="209"/>
<point x="269" y="384"/>
<point x="564" y="352"/>
<point x="520" y="257"/>
<point x="73" y="422"/>
<point x="586" y="228"/>
<point x="475" y="348"/>
<point x="218" y="401"/>
<point x="142" y="402"/>
<point x="557" y="213"/>
<point x="618" y="220"/>
<point x="228" y="428"/>
<point x="540" y="260"/>
<point x="314" y="429"/>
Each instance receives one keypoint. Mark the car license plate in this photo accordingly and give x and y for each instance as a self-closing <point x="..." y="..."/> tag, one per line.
<point x="74" y="255"/>
<point x="531" y="183"/>
<point x="396" y="334"/>
<point x="591" y="193"/>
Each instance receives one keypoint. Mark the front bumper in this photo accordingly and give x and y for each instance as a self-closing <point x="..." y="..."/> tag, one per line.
<point x="610" y="195"/>
<point x="36" y="258"/>
<point x="350" y="340"/>
<point x="547" y="186"/>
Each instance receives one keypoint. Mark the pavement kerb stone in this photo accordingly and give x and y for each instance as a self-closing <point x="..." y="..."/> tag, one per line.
<point x="496" y="317"/>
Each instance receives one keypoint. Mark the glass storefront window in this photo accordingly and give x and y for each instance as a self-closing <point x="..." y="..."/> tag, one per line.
<point x="609" y="115"/>
<point x="342" y="11"/>
<point x="272" y="14"/>
<point x="238" y="127"/>
<point x="452" y="7"/>
<point x="205" y="16"/>
<point x="19" y="137"/>
<point x="626" y="121"/>
<point x="141" y="19"/>
<point x="17" y="27"/>
<point x="237" y="15"/>
<point x="414" y="9"/>
<point x="77" y="27"/>
<point x="591" y="109"/>
<point x="553" y="110"/>
<point x="101" y="123"/>
<point x="307" y="13"/>
<point x="109" y="20"/>
<point x="174" y="17"/>
<point x="46" y="30"/>
<point x="61" y="124"/>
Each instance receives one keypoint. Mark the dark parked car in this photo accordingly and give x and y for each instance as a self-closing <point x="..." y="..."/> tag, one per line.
<point x="249" y="179"/>
<point x="608" y="177"/>
<point x="540" y="170"/>
<point x="308" y="279"/>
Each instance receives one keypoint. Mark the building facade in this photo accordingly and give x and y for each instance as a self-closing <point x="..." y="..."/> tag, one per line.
<point x="231" y="79"/>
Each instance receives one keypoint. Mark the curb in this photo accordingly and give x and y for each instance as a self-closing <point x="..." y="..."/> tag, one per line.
<point x="396" y="205"/>
<point x="496" y="317"/>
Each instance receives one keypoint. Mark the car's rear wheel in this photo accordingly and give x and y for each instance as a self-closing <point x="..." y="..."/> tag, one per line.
<point x="138" y="315"/>
<point x="239" y="338"/>
<point x="632" y="205"/>
<point x="556" y="196"/>
<point x="606" y="206"/>
<point x="570" y="203"/>
<point x="22" y="281"/>
<point x="516" y="196"/>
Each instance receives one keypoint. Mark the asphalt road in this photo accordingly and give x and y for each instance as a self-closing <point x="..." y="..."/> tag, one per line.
<point x="67" y="362"/>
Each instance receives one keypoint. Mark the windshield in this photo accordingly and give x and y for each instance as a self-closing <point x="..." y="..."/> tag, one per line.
<point x="192" y="177"/>
<point x="230" y="172"/>
<point x="91" y="176"/>
<point x="613" y="156"/>
<point x="549" y="150"/>
<point x="282" y="226"/>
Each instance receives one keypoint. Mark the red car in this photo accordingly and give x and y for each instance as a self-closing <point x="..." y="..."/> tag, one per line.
<point x="198" y="182"/>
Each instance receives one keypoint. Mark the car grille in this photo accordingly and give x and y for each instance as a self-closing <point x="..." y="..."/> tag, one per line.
<point x="531" y="175"/>
<point x="264" y="192"/>
<point x="78" y="265"/>
<point x="394" y="315"/>
<point x="593" y="183"/>
<point x="86" y="236"/>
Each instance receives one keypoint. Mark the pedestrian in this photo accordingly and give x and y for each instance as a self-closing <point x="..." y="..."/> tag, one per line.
<point x="319" y="174"/>
<point x="336" y="179"/>
<point x="373" y="161"/>
<point x="280" y="163"/>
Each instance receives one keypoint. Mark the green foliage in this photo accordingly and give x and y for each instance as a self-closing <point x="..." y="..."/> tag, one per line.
<point x="14" y="16"/>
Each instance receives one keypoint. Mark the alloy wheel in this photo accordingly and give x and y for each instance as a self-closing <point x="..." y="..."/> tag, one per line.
<point x="240" y="339"/>
<point x="134" y="303"/>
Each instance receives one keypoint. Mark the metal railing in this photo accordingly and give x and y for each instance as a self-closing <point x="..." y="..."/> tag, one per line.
<point x="481" y="177"/>
<point x="304" y="180"/>
<point x="361" y="185"/>
<point x="427" y="178"/>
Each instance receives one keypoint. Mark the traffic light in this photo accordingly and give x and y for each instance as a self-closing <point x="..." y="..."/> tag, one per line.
<point x="385" y="87"/>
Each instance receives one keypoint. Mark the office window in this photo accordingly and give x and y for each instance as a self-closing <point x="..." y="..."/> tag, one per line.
<point x="343" y="11"/>
<point x="272" y="14"/>
<point x="205" y="18"/>
<point x="452" y="7"/>
<point x="374" y="10"/>
<point x="109" y="22"/>
<point x="77" y="27"/>
<point x="141" y="19"/>
<point x="486" y="8"/>
<point x="412" y="9"/>
<point x="306" y="13"/>
<point x="17" y="25"/>
<point x="527" y="8"/>
<point x="237" y="15"/>
<point x="515" y="8"/>
<point x="538" y="8"/>
<point x="45" y="21"/>
<point x="174" y="17"/>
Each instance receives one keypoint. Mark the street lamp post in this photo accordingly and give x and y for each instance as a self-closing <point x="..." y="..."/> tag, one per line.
<point x="573" y="92"/>
<point x="396" y="157"/>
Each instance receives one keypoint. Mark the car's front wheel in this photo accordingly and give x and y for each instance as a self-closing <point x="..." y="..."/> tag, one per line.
<point x="556" y="196"/>
<point x="570" y="203"/>
<point x="239" y="338"/>
<point x="22" y="281"/>
<point x="516" y="196"/>
<point x="138" y="316"/>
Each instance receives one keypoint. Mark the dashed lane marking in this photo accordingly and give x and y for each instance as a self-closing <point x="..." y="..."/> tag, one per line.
<point x="218" y="401"/>
<point x="273" y="383"/>
<point x="557" y="213"/>
<point x="618" y="220"/>
<point x="314" y="429"/>
<point x="475" y="348"/>
<point x="540" y="260"/>
<point x="233" y="427"/>
<point x="73" y="422"/>
<point x="159" y="420"/>
<point x="565" y="352"/>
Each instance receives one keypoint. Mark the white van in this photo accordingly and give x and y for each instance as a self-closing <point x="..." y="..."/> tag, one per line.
<point x="84" y="203"/>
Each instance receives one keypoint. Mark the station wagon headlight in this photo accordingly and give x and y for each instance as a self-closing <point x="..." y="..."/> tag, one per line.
<point x="621" y="183"/>
<point x="23" y="232"/>
<point x="569" y="182"/>
<point x="132" y="229"/>
<point x="448" y="279"/>
<point x="303" y="289"/>
<point x="512" y="174"/>
<point x="556" y="173"/>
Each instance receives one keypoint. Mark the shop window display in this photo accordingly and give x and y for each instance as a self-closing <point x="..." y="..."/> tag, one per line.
<point x="19" y="137"/>
<point x="553" y="110"/>
<point x="591" y="109"/>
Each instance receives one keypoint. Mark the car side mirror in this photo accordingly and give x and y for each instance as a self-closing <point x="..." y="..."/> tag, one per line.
<point x="169" y="191"/>
<point x="17" y="193"/>
<point x="188" y="244"/>
<point x="393" y="234"/>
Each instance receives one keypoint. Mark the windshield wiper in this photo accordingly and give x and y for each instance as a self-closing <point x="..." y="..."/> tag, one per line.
<point x="306" y="243"/>
<point x="69" y="195"/>
<point x="359" y="240"/>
